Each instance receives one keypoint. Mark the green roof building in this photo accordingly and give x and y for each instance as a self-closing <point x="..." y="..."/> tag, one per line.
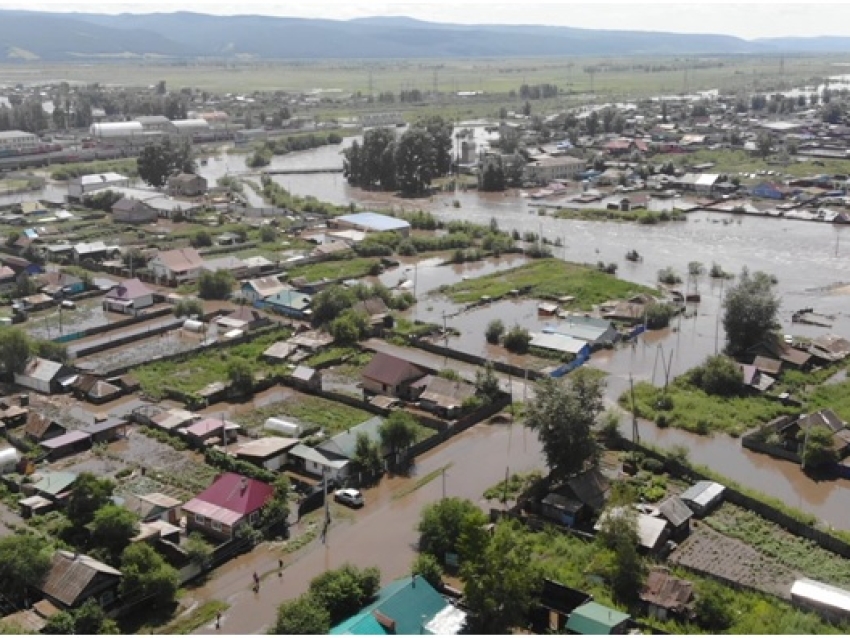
<point x="407" y="607"/>
<point x="593" y="619"/>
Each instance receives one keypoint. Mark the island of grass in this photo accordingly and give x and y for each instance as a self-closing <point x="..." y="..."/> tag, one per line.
<point x="646" y="217"/>
<point x="548" y="278"/>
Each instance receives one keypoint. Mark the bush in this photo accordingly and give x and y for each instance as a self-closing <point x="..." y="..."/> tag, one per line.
<point x="669" y="276"/>
<point x="652" y="465"/>
<point x="495" y="329"/>
<point x="658" y="316"/>
<point x="517" y="340"/>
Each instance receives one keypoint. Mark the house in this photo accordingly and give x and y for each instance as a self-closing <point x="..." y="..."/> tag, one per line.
<point x="768" y="366"/>
<point x="74" y="578"/>
<point x="389" y="375"/>
<point x="258" y="289"/>
<point x="306" y="378"/>
<point x="8" y="278"/>
<point x="591" y="488"/>
<point x="330" y="248"/>
<point x="21" y="265"/>
<point x="290" y="303"/>
<point x="319" y="463"/>
<point x="774" y="348"/>
<point x="269" y="452"/>
<point x="107" y="430"/>
<point x="593" y="619"/>
<point x="128" y="297"/>
<point x="562" y="509"/>
<point x="766" y="190"/>
<point x="41" y="428"/>
<point x="53" y="486"/>
<point x="231" y="264"/>
<point x="594" y="331"/>
<point x="311" y="340"/>
<point x="68" y="443"/>
<point x="444" y="397"/>
<point x="344" y="444"/>
<point x="830" y="348"/>
<point x="173" y="419"/>
<point x="59" y="283"/>
<point x="153" y="506"/>
<point x="376" y="309"/>
<point x="678" y="515"/>
<point x="211" y="431"/>
<point x="833" y="602"/>
<point x="229" y="503"/>
<point x="408" y="606"/>
<point x="703" y="496"/>
<point x="561" y="344"/>
<point x="244" y="318"/>
<point x="133" y="211"/>
<point x="754" y="379"/>
<point x="666" y="596"/>
<point x="42" y="375"/>
<point x="279" y="351"/>
<point x="555" y="604"/>
<point x="371" y="222"/>
<point x="547" y="169"/>
<point x="81" y="186"/>
<point x="95" y="251"/>
<point x="180" y="264"/>
<point x="652" y="532"/>
<point x="187" y="185"/>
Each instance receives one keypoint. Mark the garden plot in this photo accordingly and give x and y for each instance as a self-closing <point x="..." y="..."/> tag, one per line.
<point x="311" y="411"/>
<point x="141" y="485"/>
<point x="712" y="553"/>
<point x="141" y="351"/>
<point x="88" y="314"/>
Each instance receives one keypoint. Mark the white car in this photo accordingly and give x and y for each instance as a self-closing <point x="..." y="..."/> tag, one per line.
<point x="350" y="497"/>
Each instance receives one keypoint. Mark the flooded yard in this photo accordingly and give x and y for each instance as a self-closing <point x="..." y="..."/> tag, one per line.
<point x="141" y="351"/>
<point x="88" y="314"/>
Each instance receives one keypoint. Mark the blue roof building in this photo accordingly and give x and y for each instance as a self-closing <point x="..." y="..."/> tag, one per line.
<point x="407" y="607"/>
<point x="288" y="302"/>
<point x="373" y="222"/>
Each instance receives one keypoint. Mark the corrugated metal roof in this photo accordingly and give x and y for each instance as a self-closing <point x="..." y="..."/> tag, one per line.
<point x="70" y="574"/>
<point x="821" y="594"/>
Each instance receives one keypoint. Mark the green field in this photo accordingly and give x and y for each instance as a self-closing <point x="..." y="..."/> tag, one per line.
<point x="728" y="161"/>
<point x="353" y="268"/>
<point x="547" y="278"/>
<point x="633" y="76"/>
<point x="314" y="411"/>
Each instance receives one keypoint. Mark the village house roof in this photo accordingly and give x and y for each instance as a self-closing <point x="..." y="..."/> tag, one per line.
<point x="702" y="493"/>
<point x="303" y="373"/>
<point x="768" y="365"/>
<point x="54" y="483"/>
<point x="180" y="259"/>
<point x="38" y="425"/>
<point x="344" y="444"/>
<point x="230" y="498"/>
<point x="128" y="290"/>
<point x="69" y="438"/>
<point x="211" y="425"/>
<point x="41" y="369"/>
<point x="266" y="447"/>
<point x="830" y="347"/>
<point x="229" y="263"/>
<point x="372" y="306"/>
<point x="591" y="488"/>
<point x="389" y="370"/>
<point x="317" y="456"/>
<point x="675" y="511"/>
<point x="650" y="529"/>
<point x="447" y="392"/>
<point x="266" y="286"/>
<point x="280" y="350"/>
<point x="71" y="574"/>
<point x="593" y="619"/>
<point x="666" y="591"/>
<point x="823" y="418"/>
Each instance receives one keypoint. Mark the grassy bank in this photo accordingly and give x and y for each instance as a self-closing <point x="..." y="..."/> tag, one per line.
<point x="70" y="171"/>
<point x="690" y="408"/>
<point x="547" y="278"/>
<point x="328" y="415"/>
<point x="195" y="619"/>
<point x="646" y="217"/>
<point x="353" y="268"/>
<point x="740" y="161"/>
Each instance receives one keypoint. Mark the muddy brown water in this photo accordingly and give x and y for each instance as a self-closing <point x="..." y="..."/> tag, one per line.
<point x="381" y="534"/>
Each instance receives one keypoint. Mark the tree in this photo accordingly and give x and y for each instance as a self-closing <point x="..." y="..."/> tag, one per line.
<point x="714" y="609"/>
<point x="563" y="414"/>
<point x="517" y="339"/>
<point x="330" y="303"/>
<point x="15" y="350"/>
<point x="199" y="551"/>
<point x="113" y="527"/>
<point x="427" y="566"/>
<point x="134" y="258"/>
<point x="89" y="494"/>
<point x="188" y="308"/>
<point x="764" y="144"/>
<point x="441" y="523"/>
<point x="831" y="112"/>
<point x="275" y="514"/>
<point x="147" y="577"/>
<point x="750" y="310"/>
<point x="241" y="376"/>
<point x="493" y="178"/>
<point x="89" y="619"/>
<point x="215" y="285"/>
<point x="658" y="316"/>
<point x="415" y="160"/>
<point x="349" y="327"/>
<point x="818" y="447"/>
<point x="24" y="561"/>
<point x="268" y="234"/>
<point x="502" y="583"/>
<point x="201" y="239"/>
<point x="61" y="624"/>
<point x="158" y="161"/>
<point x="304" y="615"/>
<point x="24" y="286"/>
<point x="487" y="383"/>
<point x="719" y="376"/>
<point x="618" y="534"/>
<point x="398" y="431"/>
<point x="367" y="459"/>
<point x="344" y="591"/>
<point x="495" y="330"/>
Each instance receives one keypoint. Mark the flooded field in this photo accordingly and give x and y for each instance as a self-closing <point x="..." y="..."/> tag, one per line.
<point x="88" y="314"/>
<point x="141" y="351"/>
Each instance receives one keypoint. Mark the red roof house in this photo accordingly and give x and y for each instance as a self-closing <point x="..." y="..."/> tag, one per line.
<point x="230" y="502"/>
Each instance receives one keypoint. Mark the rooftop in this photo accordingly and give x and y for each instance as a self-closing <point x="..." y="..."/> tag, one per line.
<point x="374" y="221"/>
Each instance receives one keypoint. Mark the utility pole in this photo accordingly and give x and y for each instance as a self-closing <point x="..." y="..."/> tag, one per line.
<point x="635" y="431"/>
<point x="717" y="320"/>
<point x="223" y="433"/>
<point x="444" y="484"/>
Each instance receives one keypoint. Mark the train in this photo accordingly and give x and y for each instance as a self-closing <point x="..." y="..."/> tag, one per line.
<point x="41" y="149"/>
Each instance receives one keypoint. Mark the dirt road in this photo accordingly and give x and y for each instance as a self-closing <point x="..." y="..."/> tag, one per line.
<point x="381" y="534"/>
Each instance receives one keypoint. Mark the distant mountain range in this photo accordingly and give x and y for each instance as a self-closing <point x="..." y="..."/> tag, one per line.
<point x="26" y="35"/>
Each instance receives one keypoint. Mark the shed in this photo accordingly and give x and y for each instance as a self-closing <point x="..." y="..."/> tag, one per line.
<point x="562" y="509"/>
<point x="665" y="594"/>
<point x="9" y="458"/>
<point x="703" y="496"/>
<point x="106" y="431"/>
<point x="73" y="578"/>
<point x="593" y="619"/>
<point x="69" y="443"/>
<point x="827" y="599"/>
<point x="289" y="428"/>
<point x="193" y="325"/>
<point x="35" y="506"/>
<point x="678" y="515"/>
<point x="652" y="531"/>
<point x="268" y="452"/>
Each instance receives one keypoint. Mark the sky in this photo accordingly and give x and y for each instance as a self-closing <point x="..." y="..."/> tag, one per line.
<point x="743" y="19"/>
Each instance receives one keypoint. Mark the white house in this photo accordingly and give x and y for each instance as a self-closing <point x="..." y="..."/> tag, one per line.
<point x="85" y="184"/>
<point x="43" y="376"/>
<point x="17" y="141"/>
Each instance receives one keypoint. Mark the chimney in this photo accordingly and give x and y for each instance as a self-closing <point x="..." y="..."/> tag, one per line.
<point x="244" y="485"/>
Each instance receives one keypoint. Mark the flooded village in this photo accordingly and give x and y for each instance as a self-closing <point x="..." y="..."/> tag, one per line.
<point x="235" y="381"/>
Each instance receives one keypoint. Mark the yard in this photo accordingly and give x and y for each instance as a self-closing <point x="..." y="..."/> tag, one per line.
<point x="315" y="412"/>
<point x="354" y="268"/>
<point x="195" y="372"/>
<point x="732" y="161"/>
<point x="547" y="278"/>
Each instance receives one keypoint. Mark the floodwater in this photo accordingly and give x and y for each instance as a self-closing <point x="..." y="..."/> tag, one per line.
<point x="810" y="260"/>
<point x="381" y="534"/>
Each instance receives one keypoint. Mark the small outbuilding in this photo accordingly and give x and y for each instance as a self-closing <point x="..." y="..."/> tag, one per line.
<point x="593" y="619"/>
<point x="702" y="497"/>
<point x="678" y="515"/>
<point x="268" y="452"/>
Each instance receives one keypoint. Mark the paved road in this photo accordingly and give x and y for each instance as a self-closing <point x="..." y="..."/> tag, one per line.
<point x="381" y="534"/>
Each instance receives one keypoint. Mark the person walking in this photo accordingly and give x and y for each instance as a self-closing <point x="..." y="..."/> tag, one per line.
<point x="218" y="620"/>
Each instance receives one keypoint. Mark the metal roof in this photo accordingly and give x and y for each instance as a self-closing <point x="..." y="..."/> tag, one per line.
<point x="703" y="493"/>
<point x="70" y="574"/>
<point x="374" y="221"/>
<point x="593" y="619"/>
<point x="821" y="593"/>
